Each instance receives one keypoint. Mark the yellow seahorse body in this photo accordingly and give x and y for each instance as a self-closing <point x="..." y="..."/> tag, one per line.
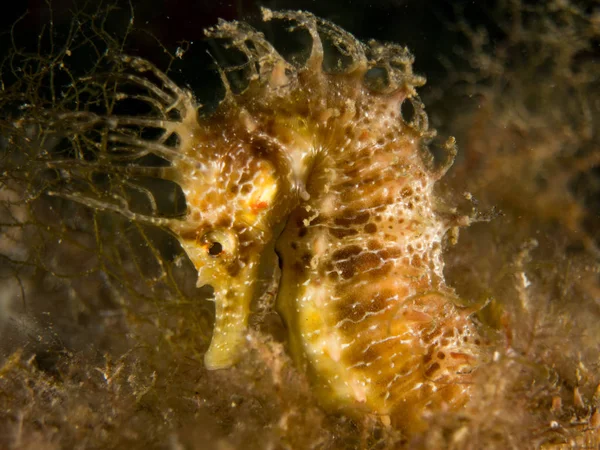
<point x="324" y="166"/>
<point x="362" y="288"/>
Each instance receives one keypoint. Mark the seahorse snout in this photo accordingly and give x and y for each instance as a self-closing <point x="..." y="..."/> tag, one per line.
<point x="233" y="277"/>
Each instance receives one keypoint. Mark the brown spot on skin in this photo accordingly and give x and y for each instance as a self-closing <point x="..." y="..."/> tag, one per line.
<point x="346" y="252"/>
<point x="416" y="262"/>
<point x="354" y="307"/>
<point x="225" y="222"/>
<point x="245" y="178"/>
<point x="432" y="369"/>
<point x="350" y="308"/>
<point x="370" y="228"/>
<point x="381" y="271"/>
<point x="374" y="245"/>
<point x="427" y="338"/>
<point x="352" y="260"/>
<point x="341" y="233"/>
<point x="351" y="217"/>
<point x="390" y="253"/>
<point x="346" y="268"/>
<point x="427" y="357"/>
<point x="366" y="261"/>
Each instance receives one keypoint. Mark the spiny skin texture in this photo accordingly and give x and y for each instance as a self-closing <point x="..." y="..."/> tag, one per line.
<point x="362" y="288"/>
<point x="323" y="167"/>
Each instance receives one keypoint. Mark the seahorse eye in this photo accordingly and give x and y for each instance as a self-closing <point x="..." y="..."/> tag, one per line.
<point x="215" y="248"/>
<point x="219" y="242"/>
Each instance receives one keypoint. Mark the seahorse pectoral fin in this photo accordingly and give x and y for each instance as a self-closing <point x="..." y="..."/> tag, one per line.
<point x="232" y="308"/>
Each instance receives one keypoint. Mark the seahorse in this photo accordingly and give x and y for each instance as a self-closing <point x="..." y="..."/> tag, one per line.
<point x="325" y="169"/>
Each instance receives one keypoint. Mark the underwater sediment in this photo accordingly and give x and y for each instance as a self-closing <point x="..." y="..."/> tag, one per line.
<point x="361" y="300"/>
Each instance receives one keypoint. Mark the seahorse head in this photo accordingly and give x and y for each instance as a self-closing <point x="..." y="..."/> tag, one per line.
<point x="236" y="190"/>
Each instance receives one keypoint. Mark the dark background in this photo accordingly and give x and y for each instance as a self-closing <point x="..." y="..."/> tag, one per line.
<point x="426" y="27"/>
